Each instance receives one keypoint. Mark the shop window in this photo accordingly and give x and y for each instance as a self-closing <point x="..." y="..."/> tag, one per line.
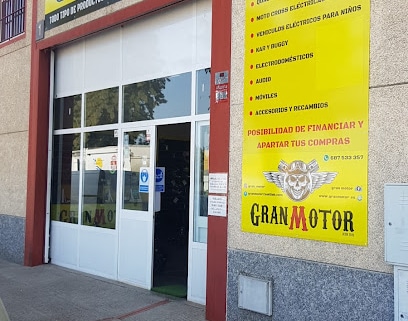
<point x="65" y="178"/>
<point x="67" y="112"/>
<point x="203" y="91"/>
<point x="101" y="107"/>
<point x="202" y="154"/>
<point x="12" y="21"/>
<point x="157" y="98"/>
<point x="99" y="179"/>
<point x="136" y="160"/>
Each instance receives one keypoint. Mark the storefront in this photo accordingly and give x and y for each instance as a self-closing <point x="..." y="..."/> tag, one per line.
<point x="119" y="143"/>
<point x="111" y="149"/>
<point x="125" y="148"/>
<point x="129" y="152"/>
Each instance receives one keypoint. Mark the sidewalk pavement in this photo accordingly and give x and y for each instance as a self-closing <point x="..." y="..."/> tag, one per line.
<point x="51" y="293"/>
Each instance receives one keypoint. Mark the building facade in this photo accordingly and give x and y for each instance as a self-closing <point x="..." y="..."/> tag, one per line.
<point x="132" y="122"/>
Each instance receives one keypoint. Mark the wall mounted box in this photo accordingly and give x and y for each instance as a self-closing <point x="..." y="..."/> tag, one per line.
<point x="396" y="223"/>
<point x="400" y="293"/>
<point x="255" y="294"/>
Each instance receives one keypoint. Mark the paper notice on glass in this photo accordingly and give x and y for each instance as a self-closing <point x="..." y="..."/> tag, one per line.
<point x="218" y="183"/>
<point x="217" y="205"/>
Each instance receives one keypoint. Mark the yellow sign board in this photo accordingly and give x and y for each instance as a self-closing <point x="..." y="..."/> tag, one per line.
<point x="53" y="5"/>
<point x="305" y="139"/>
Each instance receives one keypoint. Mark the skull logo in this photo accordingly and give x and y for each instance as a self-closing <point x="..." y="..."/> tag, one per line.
<point x="298" y="179"/>
<point x="297" y="183"/>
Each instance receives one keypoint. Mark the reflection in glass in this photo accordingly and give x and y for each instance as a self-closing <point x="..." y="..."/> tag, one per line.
<point x="67" y="112"/>
<point x="101" y="107"/>
<point x="158" y="98"/>
<point x="65" y="178"/>
<point x="203" y="91"/>
<point x="136" y="163"/>
<point x="99" y="179"/>
<point x="201" y="183"/>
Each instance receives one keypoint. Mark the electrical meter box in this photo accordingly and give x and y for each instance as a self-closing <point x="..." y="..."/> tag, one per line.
<point x="396" y="224"/>
<point x="400" y="293"/>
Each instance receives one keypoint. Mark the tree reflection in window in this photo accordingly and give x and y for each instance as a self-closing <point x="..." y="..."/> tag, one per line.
<point x="141" y="98"/>
<point x="157" y="98"/>
<point x="101" y="107"/>
<point x="67" y="112"/>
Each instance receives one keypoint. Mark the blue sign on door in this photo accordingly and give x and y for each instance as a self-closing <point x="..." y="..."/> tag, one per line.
<point x="160" y="179"/>
<point x="144" y="180"/>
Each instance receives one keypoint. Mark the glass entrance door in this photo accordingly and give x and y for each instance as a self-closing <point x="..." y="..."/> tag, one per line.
<point x="198" y="245"/>
<point x="136" y="220"/>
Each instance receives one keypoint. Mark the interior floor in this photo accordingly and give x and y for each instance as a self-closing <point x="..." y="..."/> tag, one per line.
<point x="171" y="221"/>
